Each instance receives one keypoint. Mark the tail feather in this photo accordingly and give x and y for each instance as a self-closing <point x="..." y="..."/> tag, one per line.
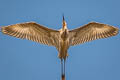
<point x="62" y="56"/>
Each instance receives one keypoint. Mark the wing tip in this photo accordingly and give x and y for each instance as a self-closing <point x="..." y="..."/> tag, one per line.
<point x="117" y="30"/>
<point x="2" y="29"/>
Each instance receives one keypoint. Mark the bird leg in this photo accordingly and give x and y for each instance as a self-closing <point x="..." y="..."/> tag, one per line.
<point x="63" y="69"/>
<point x="61" y="66"/>
<point x="63" y="77"/>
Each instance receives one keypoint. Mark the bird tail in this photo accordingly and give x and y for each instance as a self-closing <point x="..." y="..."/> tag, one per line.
<point x="63" y="56"/>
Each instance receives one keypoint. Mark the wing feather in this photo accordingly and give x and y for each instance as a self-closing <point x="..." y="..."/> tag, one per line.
<point x="33" y="31"/>
<point x="91" y="31"/>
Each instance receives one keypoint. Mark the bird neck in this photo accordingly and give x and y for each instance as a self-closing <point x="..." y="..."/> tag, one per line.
<point x="64" y="25"/>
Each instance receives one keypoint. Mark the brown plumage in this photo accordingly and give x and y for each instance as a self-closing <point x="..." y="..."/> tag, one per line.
<point x="92" y="31"/>
<point x="62" y="39"/>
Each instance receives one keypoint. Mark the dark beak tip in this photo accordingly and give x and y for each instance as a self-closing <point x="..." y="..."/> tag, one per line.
<point x="63" y="17"/>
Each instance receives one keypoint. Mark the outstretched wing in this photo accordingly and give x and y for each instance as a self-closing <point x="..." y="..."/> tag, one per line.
<point x="91" y="31"/>
<point x="33" y="31"/>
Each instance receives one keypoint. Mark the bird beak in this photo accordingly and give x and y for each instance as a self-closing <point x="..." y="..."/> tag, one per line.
<point x="63" y="18"/>
<point x="64" y="23"/>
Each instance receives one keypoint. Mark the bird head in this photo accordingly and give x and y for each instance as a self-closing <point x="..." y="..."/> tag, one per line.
<point x="64" y="24"/>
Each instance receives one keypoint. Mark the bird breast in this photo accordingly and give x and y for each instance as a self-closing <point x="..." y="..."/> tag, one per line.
<point x="64" y="35"/>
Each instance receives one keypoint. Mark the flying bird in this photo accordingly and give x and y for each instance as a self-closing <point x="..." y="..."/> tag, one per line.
<point x="62" y="39"/>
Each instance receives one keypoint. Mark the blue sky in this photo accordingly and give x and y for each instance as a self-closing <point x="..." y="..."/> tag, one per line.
<point x="27" y="60"/>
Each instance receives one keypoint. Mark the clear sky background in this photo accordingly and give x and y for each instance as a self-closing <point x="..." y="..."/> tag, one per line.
<point x="27" y="60"/>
